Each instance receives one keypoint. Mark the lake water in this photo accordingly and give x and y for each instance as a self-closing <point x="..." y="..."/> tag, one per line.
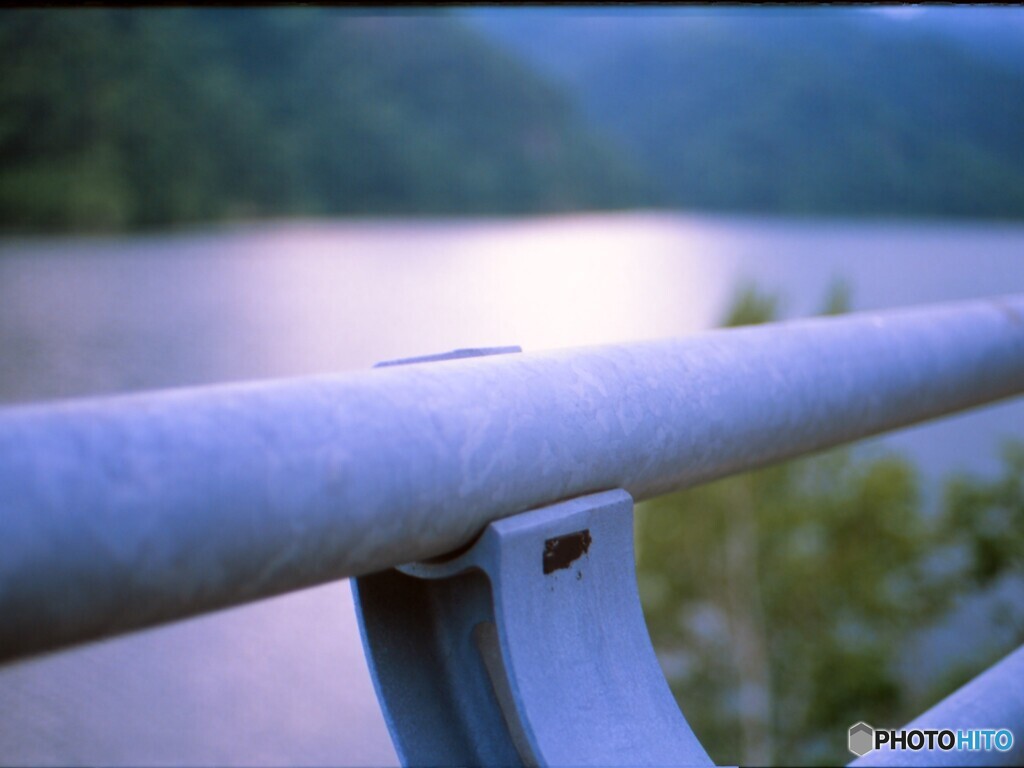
<point x="284" y="681"/>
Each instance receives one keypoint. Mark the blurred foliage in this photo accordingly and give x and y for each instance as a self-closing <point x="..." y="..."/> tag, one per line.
<point x="991" y="514"/>
<point x="113" y="118"/>
<point x="796" y="111"/>
<point x="781" y="600"/>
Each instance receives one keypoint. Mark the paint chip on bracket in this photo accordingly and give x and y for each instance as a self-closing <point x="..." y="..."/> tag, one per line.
<point x="563" y="551"/>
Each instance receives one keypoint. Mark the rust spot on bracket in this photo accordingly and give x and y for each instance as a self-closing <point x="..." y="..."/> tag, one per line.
<point x="563" y="551"/>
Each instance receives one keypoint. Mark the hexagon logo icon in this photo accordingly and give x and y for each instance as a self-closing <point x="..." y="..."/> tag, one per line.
<point x="862" y="739"/>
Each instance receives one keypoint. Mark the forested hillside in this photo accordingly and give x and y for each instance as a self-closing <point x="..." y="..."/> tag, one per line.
<point x="127" y="118"/>
<point x="114" y="118"/>
<point x="810" y="110"/>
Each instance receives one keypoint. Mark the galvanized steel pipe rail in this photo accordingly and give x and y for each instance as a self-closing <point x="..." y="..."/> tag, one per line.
<point x="125" y="512"/>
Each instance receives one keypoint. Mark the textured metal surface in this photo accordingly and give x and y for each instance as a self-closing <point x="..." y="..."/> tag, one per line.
<point x="528" y="649"/>
<point x="994" y="699"/>
<point x="124" y="512"/>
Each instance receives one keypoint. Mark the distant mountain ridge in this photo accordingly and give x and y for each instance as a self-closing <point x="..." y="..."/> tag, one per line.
<point x="122" y="118"/>
<point x="125" y="118"/>
<point x="795" y="111"/>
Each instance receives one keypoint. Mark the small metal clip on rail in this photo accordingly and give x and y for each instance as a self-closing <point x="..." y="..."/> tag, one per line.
<point x="529" y="647"/>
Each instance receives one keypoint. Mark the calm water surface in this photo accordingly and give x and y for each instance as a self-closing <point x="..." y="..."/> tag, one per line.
<point x="284" y="681"/>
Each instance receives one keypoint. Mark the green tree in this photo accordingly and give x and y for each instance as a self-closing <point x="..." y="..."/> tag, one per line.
<point x="778" y="600"/>
<point x="983" y="520"/>
<point x="989" y="515"/>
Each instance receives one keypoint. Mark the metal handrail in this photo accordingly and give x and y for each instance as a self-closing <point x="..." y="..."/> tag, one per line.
<point x="124" y="512"/>
<point x="992" y="698"/>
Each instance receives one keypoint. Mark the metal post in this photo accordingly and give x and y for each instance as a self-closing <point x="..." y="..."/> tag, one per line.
<point x="529" y="649"/>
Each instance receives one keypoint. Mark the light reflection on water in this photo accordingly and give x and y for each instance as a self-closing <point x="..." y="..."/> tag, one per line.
<point x="283" y="682"/>
<point x="303" y="298"/>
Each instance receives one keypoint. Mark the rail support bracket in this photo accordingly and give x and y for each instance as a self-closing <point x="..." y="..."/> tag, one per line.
<point x="529" y="648"/>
